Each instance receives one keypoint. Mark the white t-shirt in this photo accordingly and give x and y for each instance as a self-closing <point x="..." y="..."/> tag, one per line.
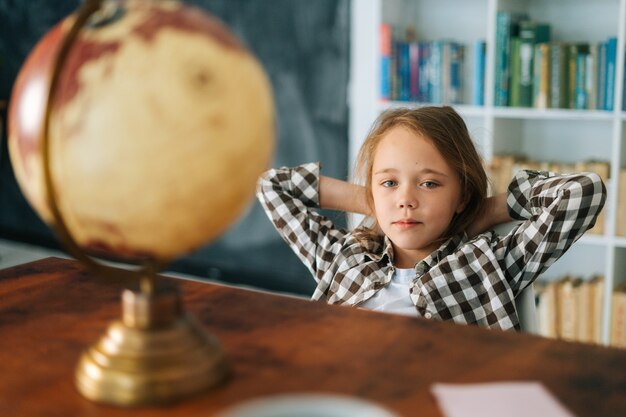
<point x="394" y="298"/>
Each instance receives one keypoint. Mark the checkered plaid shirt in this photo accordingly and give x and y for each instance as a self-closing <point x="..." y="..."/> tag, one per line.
<point x="465" y="280"/>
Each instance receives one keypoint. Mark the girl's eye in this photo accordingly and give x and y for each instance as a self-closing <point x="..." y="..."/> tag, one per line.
<point x="430" y="184"/>
<point x="388" y="183"/>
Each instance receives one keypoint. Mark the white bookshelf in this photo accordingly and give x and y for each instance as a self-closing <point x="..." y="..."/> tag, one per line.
<point x="551" y="134"/>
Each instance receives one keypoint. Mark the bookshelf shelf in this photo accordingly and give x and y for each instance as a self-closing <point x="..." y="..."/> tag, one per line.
<point x="551" y="114"/>
<point x="564" y="136"/>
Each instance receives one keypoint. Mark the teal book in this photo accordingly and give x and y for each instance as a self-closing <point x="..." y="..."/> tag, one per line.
<point x="574" y="72"/>
<point x="530" y="34"/>
<point x="478" y="75"/>
<point x="507" y="27"/>
<point x="611" y="58"/>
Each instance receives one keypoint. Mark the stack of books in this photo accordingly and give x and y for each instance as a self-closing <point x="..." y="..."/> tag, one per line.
<point x="572" y="309"/>
<point x="533" y="70"/>
<point x="426" y="71"/>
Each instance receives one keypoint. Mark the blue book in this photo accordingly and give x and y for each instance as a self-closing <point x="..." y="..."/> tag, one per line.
<point x="436" y="61"/>
<point x="404" y="71"/>
<point x="611" y="55"/>
<point x="454" y="89"/>
<point x="478" y="77"/>
<point x="424" y="71"/>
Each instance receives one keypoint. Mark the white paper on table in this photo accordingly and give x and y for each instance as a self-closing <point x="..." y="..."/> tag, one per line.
<point x="510" y="399"/>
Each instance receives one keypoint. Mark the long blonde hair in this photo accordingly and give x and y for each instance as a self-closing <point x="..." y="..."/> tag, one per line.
<point x="445" y="128"/>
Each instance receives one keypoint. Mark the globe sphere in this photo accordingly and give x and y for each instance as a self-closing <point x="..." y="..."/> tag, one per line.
<point x="159" y="127"/>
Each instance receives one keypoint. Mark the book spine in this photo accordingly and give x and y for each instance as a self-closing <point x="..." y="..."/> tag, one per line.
<point x="414" y="70"/>
<point x="478" y="79"/>
<point x="611" y="55"/>
<point x="404" y="72"/>
<point x="435" y="85"/>
<point x="385" y="61"/>
<point x="581" y="76"/>
<point x="571" y="75"/>
<point x="507" y="26"/>
<point x="591" y="81"/>
<point x="556" y="93"/>
<point x="601" y="86"/>
<point x="530" y="34"/>
<point x="424" y="70"/>
<point x="455" y="90"/>
<point x="514" y="84"/>
<point x="541" y="85"/>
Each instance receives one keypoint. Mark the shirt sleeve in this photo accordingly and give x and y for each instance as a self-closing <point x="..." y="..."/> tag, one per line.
<point x="289" y="197"/>
<point x="556" y="211"/>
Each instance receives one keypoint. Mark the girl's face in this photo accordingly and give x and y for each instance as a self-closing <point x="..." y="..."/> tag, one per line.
<point x="415" y="192"/>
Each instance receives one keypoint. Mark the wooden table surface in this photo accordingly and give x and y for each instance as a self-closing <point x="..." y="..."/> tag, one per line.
<point x="51" y="310"/>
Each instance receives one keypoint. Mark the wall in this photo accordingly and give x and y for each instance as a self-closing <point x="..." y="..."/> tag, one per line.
<point x="304" y="47"/>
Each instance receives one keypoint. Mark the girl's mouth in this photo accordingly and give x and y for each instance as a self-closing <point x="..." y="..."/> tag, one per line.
<point x="406" y="222"/>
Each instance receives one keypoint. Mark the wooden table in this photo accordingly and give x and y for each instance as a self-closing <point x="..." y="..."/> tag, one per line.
<point x="51" y="310"/>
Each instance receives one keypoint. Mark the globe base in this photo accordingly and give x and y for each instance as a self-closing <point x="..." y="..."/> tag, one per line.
<point x="155" y="354"/>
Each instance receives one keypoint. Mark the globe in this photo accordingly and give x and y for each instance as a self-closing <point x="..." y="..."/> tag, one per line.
<point x="160" y="123"/>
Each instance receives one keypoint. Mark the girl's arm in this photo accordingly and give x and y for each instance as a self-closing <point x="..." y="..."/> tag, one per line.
<point x="289" y="197"/>
<point x="341" y="195"/>
<point x="495" y="212"/>
<point x="556" y="211"/>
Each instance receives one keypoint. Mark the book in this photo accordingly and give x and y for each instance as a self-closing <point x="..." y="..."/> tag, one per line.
<point x="515" y="86"/>
<point x="385" y="61"/>
<point x="620" y="229"/>
<point x="414" y="70"/>
<point x="580" y="89"/>
<point x="611" y="56"/>
<point x="596" y="307"/>
<point x="575" y="77"/>
<point x="404" y="71"/>
<point x="478" y="74"/>
<point x="541" y="76"/>
<point x="591" y="81"/>
<point x="453" y="67"/>
<point x="547" y="313"/>
<point x="530" y="33"/>
<point x="601" y="83"/>
<point x="558" y="75"/>
<point x="566" y="297"/>
<point x="425" y="72"/>
<point x="507" y="27"/>
<point x="435" y="86"/>
<point x="618" y="317"/>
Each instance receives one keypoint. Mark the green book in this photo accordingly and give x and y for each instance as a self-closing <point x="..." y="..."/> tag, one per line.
<point x="515" y="86"/>
<point x="559" y="75"/>
<point x="530" y="34"/>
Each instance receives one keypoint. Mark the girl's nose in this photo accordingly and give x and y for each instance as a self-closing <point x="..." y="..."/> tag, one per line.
<point x="407" y="200"/>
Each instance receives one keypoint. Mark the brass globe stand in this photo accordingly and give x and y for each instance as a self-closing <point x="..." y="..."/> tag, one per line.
<point x="156" y="353"/>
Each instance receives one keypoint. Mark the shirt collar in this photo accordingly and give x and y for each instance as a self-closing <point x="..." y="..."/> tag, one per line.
<point x="447" y="248"/>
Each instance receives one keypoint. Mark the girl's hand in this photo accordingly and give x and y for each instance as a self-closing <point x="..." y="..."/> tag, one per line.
<point x="494" y="213"/>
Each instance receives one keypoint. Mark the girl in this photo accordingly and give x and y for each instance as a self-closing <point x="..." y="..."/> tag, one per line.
<point x="426" y="188"/>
